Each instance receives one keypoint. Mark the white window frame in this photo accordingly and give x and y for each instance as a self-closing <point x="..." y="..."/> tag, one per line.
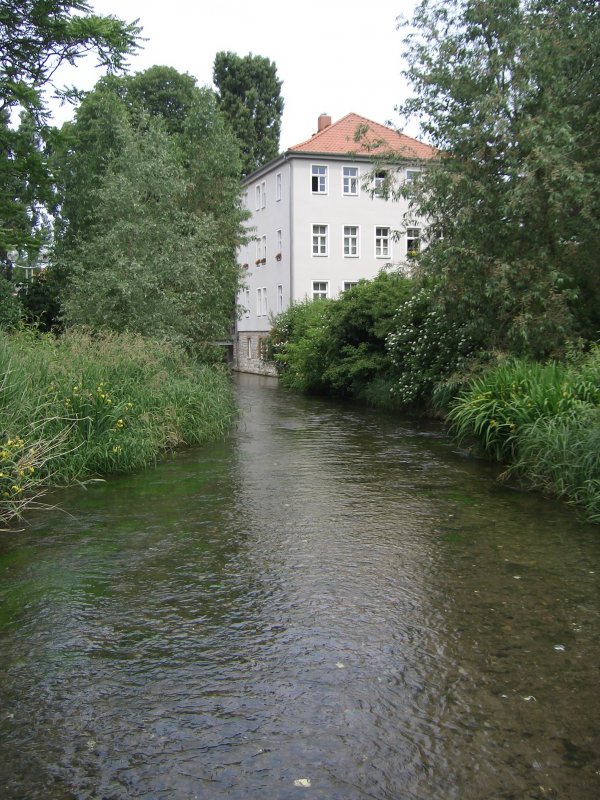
<point x="320" y="240"/>
<point x="279" y="238"/>
<point x="259" y="302"/>
<point x="265" y="307"/>
<point x="247" y="303"/>
<point x="249" y="346"/>
<point x="264" y="195"/>
<point x="258" y="196"/>
<point x="278" y="187"/>
<point x="379" y="181"/>
<point x="279" y="298"/>
<point x="264" y="247"/>
<point x="349" y="285"/>
<point x="413" y="241"/>
<point x="383" y="241"/>
<point x="318" y="178"/>
<point x="351" y="241"/>
<point x="350" y="181"/>
<point x="412" y="174"/>
<point x="320" y="290"/>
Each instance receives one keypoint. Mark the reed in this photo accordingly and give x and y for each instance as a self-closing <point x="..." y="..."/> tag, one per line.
<point x="85" y="406"/>
<point x="541" y="419"/>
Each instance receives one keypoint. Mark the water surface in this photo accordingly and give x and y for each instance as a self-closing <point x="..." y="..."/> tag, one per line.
<point x="332" y="604"/>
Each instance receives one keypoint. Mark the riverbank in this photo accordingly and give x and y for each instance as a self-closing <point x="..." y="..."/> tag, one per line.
<point x="84" y="406"/>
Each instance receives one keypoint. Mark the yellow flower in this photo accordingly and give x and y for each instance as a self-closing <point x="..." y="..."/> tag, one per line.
<point x="119" y="423"/>
<point x="16" y="489"/>
<point x="117" y="448"/>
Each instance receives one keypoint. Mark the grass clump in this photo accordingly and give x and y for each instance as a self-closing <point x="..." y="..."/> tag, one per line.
<point x="85" y="406"/>
<point x="544" y="420"/>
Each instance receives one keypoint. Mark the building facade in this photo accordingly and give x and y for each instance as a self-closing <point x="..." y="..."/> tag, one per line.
<point x="319" y="222"/>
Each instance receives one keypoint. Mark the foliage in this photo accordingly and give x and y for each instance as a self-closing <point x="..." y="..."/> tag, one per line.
<point x="151" y="216"/>
<point x="426" y="346"/>
<point x="35" y="39"/>
<point x="10" y="309"/>
<point x="249" y="95"/>
<point x="298" y="341"/>
<point x="507" y="90"/>
<point x="544" y="419"/>
<point x="338" y="346"/>
<point x="82" y="406"/>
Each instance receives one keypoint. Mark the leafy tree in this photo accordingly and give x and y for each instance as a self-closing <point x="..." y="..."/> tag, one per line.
<point x="151" y="213"/>
<point x="507" y="90"/>
<point x="249" y="94"/>
<point x="36" y="37"/>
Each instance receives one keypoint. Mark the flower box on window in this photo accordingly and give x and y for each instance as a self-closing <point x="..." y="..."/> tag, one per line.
<point x="258" y="262"/>
<point x="263" y="261"/>
<point x="244" y="266"/>
<point x="278" y="257"/>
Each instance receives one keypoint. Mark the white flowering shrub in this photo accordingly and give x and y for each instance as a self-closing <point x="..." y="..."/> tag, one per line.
<point x="426" y="347"/>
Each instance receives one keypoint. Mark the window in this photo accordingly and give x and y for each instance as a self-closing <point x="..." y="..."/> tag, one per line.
<point x="279" y="298"/>
<point x="350" y="241"/>
<point x="258" y="194"/>
<point x="349" y="285"/>
<point x="412" y="174"/>
<point x="413" y="241"/>
<point x="320" y="290"/>
<point x="264" y="249"/>
<point x="249" y="347"/>
<point x="382" y="242"/>
<point x="379" y="184"/>
<point x="261" y="302"/>
<point x="278" y="187"/>
<point x="319" y="179"/>
<point x="247" y="304"/>
<point x="350" y="181"/>
<point x="319" y="240"/>
<point x="279" y="237"/>
<point x="263" y="348"/>
<point x="264" y="195"/>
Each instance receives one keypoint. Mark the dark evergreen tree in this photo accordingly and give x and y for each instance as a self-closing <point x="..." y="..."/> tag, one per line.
<point x="249" y="95"/>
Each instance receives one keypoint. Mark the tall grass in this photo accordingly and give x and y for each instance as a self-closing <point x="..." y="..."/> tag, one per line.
<point x="86" y="405"/>
<point x="543" y="420"/>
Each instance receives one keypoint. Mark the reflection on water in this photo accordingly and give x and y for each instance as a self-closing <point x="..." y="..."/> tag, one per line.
<point x="331" y="604"/>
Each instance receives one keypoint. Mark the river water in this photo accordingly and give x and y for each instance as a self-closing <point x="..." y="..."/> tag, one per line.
<point x="332" y="604"/>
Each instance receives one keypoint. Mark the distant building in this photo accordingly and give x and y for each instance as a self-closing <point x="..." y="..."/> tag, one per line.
<point x="316" y="228"/>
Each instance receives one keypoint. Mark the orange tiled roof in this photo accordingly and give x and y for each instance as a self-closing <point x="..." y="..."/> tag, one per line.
<point x="341" y="138"/>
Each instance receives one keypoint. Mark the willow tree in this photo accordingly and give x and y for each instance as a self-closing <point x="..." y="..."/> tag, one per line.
<point x="151" y="211"/>
<point x="508" y="92"/>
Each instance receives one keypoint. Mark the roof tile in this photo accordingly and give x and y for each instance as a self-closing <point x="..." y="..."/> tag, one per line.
<point x="359" y="135"/>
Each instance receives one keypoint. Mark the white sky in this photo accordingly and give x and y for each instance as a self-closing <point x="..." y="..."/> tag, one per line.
<point x="333" y="56"/>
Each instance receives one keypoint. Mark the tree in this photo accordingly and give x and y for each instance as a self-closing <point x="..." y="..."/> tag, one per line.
<point x="507" y="90"/>
<point x="249" y="95"/>
<point x="36" y="37"/>
<point x="151" y="212"/>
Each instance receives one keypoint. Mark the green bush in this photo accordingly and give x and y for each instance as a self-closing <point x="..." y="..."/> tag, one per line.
<point x="83" y="406"/>
<point x="426" y="346"/>
<point x="338" y="346"/>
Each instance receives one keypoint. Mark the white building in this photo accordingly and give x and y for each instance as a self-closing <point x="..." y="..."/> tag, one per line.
<point x="316" y="227"/>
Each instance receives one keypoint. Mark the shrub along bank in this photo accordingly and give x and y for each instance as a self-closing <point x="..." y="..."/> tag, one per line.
<point x="389" y="344"/>
<point x="84" y="406"/>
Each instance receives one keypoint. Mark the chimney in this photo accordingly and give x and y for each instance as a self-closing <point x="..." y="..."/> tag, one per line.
<point x="324" y="121"/>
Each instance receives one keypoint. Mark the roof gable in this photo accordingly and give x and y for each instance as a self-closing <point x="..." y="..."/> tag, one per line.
<point x="361" y="136"/>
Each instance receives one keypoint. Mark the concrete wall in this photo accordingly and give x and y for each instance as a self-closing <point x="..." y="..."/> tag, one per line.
<point x="246" y="348"/>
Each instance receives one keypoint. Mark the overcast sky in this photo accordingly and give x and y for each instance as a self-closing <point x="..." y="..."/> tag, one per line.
<point x="333" y="57"/>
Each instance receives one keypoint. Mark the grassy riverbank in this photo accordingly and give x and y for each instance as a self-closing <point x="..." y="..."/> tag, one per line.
<point x="543" y="420"/>
<point x="85" y="406"/>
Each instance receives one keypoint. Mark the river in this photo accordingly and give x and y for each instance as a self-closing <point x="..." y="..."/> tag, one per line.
<point x="332" y="604"/>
